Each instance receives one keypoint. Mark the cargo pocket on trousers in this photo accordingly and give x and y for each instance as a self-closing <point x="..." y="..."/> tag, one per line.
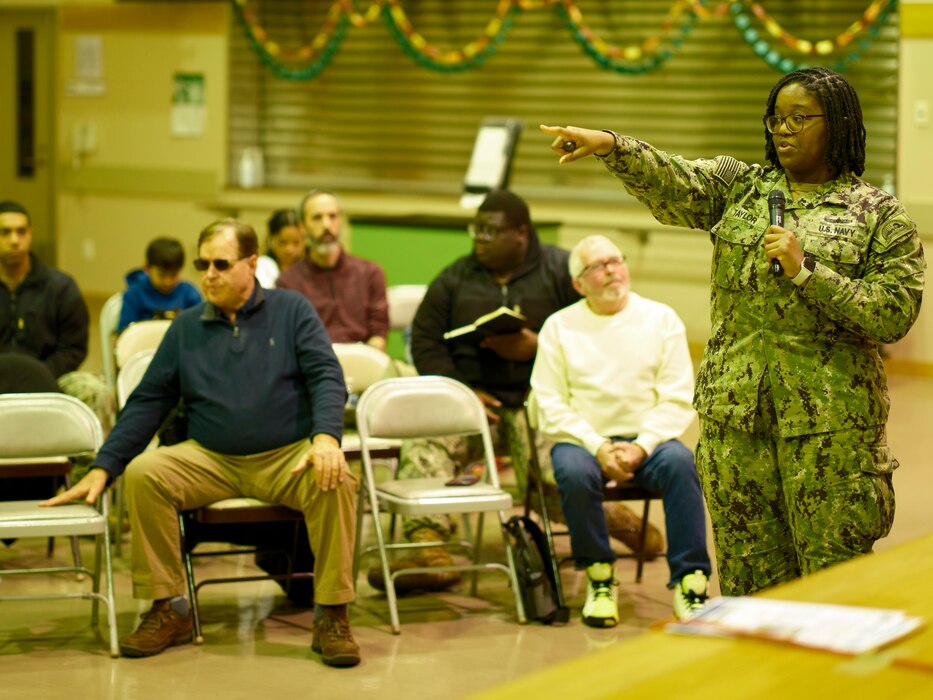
<point x="877" y="466"/>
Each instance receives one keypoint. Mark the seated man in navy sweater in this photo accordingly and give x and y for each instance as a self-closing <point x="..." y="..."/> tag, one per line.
<point x="233" y="359"/>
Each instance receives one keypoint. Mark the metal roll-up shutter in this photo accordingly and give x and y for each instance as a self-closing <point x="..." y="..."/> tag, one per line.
<point x="374" y="119"/>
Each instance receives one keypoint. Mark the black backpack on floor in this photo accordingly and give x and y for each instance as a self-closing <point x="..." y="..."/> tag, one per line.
<point x="535" y="571"/>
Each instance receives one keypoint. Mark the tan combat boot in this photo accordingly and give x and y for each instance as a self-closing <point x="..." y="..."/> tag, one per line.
<point x="332" y="639"/>
<point x="431" y="556"/>
<point x="161" y="627"/>
<point x="625" y="526"/>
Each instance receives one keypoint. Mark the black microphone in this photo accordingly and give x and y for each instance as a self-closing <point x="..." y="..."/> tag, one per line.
<point x="776" y="212"/>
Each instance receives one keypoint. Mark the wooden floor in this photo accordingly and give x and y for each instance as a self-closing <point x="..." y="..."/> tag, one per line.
<point x="451" y="645"/>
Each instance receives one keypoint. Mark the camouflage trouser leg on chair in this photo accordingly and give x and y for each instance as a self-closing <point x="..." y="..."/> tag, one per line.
<point x="444" y="458"/>
<point x="432" y="458"/>
<point x="93" y="392"/>
<point x="455" y="455"/>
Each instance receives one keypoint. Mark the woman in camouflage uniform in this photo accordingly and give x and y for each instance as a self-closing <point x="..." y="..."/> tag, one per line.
<point x="791" y="391"/>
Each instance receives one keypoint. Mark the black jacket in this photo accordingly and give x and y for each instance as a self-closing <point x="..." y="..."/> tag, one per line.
<point x="466" y="290"/>
<point x="46" y="318"/>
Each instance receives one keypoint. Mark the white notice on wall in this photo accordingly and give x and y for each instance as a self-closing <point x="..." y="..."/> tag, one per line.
<point x="188" y="111"/>
<point x="89" y="57"/>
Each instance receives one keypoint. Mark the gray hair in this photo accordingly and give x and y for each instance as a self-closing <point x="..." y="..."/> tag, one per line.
<point x="584" y="246"/>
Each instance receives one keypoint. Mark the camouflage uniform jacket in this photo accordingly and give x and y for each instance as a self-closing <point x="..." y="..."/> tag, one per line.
<point x="815" y="346"/>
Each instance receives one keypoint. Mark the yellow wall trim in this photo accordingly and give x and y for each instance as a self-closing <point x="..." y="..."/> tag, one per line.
<point x="193" y="18"/>
<point x="146" y="182"/>
<point x="916" y="20"/>
<point x="908" y="368"/>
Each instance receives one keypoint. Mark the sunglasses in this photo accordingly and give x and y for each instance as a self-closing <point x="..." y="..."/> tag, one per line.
<point x="221" y="265"/>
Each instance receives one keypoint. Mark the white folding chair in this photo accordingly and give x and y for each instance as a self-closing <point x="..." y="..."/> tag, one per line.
<point x="363" y="365"/>
<point x="128" y="378"/>
<point x="131" y="373"/>
<point x="139" y="336"/>
<point x="404" y="300"/>
<point x="415" y="407"/>
<point x="45" y="426"/>
<point x="109" y="320"/>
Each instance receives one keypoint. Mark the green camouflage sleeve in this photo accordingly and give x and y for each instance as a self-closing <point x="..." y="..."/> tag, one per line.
<point x="677" y="191"/>
<point x="882" y="303"/>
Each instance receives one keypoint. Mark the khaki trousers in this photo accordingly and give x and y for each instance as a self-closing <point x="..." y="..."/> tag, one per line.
<point x="161" y="482"/>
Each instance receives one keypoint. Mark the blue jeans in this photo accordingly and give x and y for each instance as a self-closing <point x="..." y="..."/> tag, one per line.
<point x="669" y="470"/>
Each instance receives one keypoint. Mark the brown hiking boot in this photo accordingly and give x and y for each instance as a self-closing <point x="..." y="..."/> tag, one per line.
<point x="625" y="526"/>
<point x="332" y="638"/>
<point x="432" y="556"/>
<point x="161" y="628"/>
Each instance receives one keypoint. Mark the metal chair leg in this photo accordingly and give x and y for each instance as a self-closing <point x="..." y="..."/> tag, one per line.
<point x="192" y="589"/>
<point x="108" y="567"/>
<point x="640" y="555"/>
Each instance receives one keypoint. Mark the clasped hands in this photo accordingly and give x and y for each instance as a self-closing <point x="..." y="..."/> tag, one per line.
<point x="620" y="460"/>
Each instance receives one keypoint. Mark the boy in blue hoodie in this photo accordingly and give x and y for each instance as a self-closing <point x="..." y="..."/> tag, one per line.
<point x="157" y="290"/>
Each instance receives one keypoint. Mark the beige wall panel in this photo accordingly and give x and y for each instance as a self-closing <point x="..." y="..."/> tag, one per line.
<point x="915" y="142"/>
<point x="132" y="120"/>
<point x="139" y="181"/>
<point x="103" y="237"/>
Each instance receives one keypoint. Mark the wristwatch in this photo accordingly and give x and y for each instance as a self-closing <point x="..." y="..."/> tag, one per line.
<point x="806" y="269"/>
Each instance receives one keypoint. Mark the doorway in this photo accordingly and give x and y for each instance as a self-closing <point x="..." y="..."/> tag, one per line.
<point x="27" y="120"/>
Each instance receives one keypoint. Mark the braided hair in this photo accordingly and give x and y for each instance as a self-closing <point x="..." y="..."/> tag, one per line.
<point x="845" y="146"/>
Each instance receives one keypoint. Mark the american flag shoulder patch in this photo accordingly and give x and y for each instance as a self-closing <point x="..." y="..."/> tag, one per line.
<point x="726" y="169"/>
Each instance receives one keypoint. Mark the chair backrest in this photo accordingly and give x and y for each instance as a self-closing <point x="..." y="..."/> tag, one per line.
<point x="139" y="336"/>
<point x="428" y="406"/>
<point x="130" y="375"/>
<point x="404" y="300"/>
<point x="109" y="320"/>
<point x="363" y="365"/>
<point x="46" y="425"/>
<point x="422" y="407"/>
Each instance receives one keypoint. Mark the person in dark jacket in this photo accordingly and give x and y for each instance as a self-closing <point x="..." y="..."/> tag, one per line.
<point x="43" y="315"/>
<point x="509" y="266"/>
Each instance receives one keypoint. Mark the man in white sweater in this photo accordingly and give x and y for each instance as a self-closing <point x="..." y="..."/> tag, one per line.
<point x="613" y="386"/>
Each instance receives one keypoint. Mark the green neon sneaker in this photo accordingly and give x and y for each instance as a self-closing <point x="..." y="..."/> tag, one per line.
<point x="690" y="595"/>
<point x="600" y="608"/>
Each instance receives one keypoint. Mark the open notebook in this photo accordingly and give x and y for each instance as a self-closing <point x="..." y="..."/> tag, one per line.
<point x="845" y="629"/>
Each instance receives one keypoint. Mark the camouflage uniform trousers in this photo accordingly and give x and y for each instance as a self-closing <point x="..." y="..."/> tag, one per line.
<point x="454" y="455"/>
<point x="93" y="392"/>
<point x="782" y="507"/>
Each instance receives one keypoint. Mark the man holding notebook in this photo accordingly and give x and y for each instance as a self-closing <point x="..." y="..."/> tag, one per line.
<point x="509" y="267"/>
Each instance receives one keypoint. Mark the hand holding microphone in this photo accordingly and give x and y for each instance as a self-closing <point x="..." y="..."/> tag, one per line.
<point x="776" y="215"/>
